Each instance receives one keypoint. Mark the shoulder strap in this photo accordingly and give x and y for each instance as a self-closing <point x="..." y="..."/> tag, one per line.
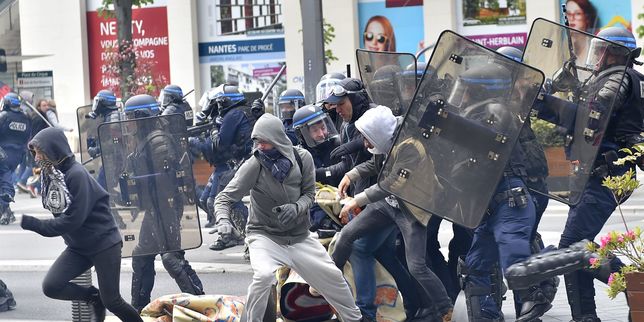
<point x="298" y="158"/>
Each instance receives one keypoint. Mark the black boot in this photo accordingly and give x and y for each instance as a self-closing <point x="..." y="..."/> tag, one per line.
<point x="97" y="306"/>
<point x="587" y="318"/>
<point x="535" y="304"/>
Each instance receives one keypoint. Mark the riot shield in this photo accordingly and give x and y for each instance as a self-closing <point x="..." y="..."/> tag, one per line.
<point x="88" y="138"/>
<point x="572" y="115"/>
<point x="389" y="78"/>
<point x="456" y="139"/>
<point x="149" y="177"/>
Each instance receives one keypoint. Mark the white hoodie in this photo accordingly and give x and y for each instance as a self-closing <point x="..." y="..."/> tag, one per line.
<point x="377" y="125"/>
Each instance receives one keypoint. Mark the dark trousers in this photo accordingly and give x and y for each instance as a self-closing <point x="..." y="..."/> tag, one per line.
<point x="503" y="237"/>
<point x="379" y="215"/>
<point x="107" y="263"/>
<point x="585" y="221"/>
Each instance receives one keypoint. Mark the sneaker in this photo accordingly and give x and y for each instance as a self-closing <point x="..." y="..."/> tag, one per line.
<point x="22" y="187"/>
<point x="219" y="244"/>
<point x="33" y="192"/>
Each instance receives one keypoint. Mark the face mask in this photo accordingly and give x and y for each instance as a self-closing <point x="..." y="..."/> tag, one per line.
<point x="374" y="151"/>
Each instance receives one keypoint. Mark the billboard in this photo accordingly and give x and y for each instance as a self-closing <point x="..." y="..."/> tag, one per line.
<point x="593" y="15"/>
<point x="494" y="24"/>
<point x="149" y="36"/>
<point x="240" y="42"/>
<point x="391" y="25"/>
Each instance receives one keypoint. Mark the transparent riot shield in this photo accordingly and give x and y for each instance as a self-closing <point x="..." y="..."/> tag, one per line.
<point x="150" y="181"/>
<point x="389" y="78"/>
<point x="88" y="140"/>
<point x="456" y="139"/>
<point x="572" y="115"/>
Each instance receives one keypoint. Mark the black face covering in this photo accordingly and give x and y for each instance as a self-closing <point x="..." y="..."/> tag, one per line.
<point x="279" y="164"/>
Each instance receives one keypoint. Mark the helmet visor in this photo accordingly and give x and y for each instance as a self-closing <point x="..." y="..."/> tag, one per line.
<point x="316" y="129"/>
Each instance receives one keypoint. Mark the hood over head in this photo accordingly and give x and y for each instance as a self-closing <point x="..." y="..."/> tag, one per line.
<point x="53" y="143"/>
<point x="378" y="125"/>
<point x="270" y="128"/>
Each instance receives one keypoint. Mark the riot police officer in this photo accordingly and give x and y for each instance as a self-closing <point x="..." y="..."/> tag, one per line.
<point x="504" y="235"/>
<point x="228" y="145"/>
<point x="289" y="101"/>
<point x="323" y="90"/>
<point x="172" y="102"/>
<point x="162" y="201"/>
<point x="15" y="131"/>
<point x="104" y="110"/>
<point x="316" y="132"/>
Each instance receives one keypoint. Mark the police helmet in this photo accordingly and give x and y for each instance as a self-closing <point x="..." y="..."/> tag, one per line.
<point x="600" y="49"/>
<point x="170" y="94"/>
<point x="104" y="101"/>
<point x="511" y="52"/>
<point x="226" y="97"/>
<point x="142" y="105"/>
<point x="289" y="101"/>
<point x="313" y="126"/>
<point x="480" y="83"/>
<point x="323" y="88"/>
<point x="11" y="101"/>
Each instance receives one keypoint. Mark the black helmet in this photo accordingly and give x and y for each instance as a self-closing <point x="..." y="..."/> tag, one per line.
<point x="142" y="105"/>
<point x="600" y="50"/>
<point x="480" y="83"/>
<point x="323" y="88"/>
<point x="511" y="52"/>
<point x="11" y="101"/>
<point x="104" y="102"/>
<point x="313" y="126"/>
<point x="384" y="87"/>
<point x="290" y="100"/>
<point x="226" y="97"/>
<point x="170" y="94"/>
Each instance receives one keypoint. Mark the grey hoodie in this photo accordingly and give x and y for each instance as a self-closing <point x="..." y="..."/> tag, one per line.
<point x="266" y="192"/>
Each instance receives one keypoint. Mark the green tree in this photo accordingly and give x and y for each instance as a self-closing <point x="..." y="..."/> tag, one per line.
<point x="640" y="29"/>
<point x="329" y="35"/>
<point x="122" y="10"/>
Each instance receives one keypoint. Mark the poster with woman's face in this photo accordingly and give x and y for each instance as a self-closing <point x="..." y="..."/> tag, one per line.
<point x="389" y="25"/>
<point x="594" y="15"/>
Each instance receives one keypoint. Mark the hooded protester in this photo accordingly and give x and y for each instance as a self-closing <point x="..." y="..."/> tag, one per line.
<point x="82" y="217"/>
<point x="378" y="126"/>
<point x="281" y="182"/>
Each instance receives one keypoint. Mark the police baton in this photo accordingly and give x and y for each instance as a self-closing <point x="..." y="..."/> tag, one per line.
<point x="270" y="87"/>
<point x="188" y="93"/>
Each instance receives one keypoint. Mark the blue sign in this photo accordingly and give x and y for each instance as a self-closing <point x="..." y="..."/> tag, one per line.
<point x="242" y="50"/>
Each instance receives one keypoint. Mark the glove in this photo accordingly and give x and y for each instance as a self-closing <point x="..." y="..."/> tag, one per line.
<point x="257" y="108"/>
<point x="94" y="151"/>
<point x="286" y="213"/>
<point x="225" y="228"/>
<point x="347" y="148"/>
<point x="210" y="203"/>
<point x="201" y="117"/>
<point x="28" y="222"/>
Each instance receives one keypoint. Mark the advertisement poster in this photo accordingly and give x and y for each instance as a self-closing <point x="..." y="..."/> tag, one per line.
<point x="594" y="15"/>
<point x="240" y="43"/>
<point x="149" y="35"/>
<point x="390" y="25"/>
<point x="495" y="23"/>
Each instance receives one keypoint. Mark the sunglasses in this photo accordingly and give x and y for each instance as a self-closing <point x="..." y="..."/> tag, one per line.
<point x="368" y="36"/>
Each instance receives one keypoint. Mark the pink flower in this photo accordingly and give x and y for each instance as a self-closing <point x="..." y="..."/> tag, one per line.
<point x="604" y="241"/>
<point x="593" y="261"/>
<point x="620" y="239"/>
<point x="611" y="278"/>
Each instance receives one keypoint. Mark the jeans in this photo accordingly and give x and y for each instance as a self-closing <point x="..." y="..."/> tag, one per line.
<point x="380" y="215"/>
<point x="107" y="263"/>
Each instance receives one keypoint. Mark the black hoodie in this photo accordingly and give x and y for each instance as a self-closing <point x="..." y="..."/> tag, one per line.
<point x="87" y="226"/>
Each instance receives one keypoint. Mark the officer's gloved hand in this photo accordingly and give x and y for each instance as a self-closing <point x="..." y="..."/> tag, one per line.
<point x="286" y="213"/>
<point x="257" y="108"/>
<point x="225" y="228"/>
<point x="320" y="174"/>
<point x="347" y="148"/>
<point x="94" y="151"/>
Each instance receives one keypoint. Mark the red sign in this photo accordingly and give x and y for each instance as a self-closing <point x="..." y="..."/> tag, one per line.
<point x="150" y="38"/>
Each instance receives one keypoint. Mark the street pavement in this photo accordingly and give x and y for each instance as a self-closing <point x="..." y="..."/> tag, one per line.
<point x="26" y="256"/>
